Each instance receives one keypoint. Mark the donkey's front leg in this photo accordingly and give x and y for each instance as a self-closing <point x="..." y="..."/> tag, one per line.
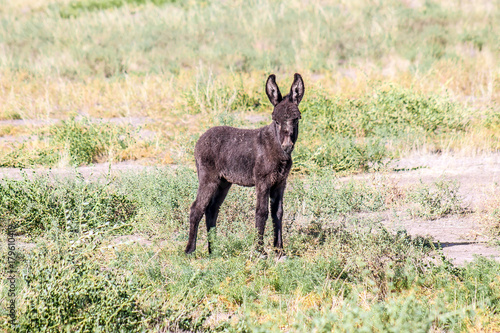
<point x="277" y="216"/>
<point x="261" y="214"/>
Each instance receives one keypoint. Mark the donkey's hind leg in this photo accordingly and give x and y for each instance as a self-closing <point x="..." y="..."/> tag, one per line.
<point x="212" y="210"/>
<point x="206" y="192"/>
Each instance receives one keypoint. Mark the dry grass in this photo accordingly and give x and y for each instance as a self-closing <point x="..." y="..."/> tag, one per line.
<point x="158" y="62"/>
<point x="178" y="108"/>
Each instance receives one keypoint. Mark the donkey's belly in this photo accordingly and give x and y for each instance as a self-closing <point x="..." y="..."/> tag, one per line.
<point x="238" y="177"/>
<point x="238" y="168"/>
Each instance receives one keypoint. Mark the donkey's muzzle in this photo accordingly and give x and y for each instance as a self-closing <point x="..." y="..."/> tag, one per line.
<point x="287" y="148"/>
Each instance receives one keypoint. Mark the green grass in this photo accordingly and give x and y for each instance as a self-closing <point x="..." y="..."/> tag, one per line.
<point x="381" y="81"/>
<point x="162" y="36"/>
<point x="353" y="134"/>
<point x="39" y="202"/>
<point x="342" y="134"/>
<point x="72" y="142"/>
<point x="345" y="269"/>
<point x="74" y="205"/>
<point x="177" y="293"/>
<point x="76" y="8"/>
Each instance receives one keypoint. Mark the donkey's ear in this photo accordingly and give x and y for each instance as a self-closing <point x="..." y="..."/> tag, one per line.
<point x="297" y="89"/>
<point x="272" y="90"/>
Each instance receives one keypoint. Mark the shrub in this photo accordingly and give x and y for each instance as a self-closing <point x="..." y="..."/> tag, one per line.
<point x="74" y="142"/>
<point x="73" y="292"/>
<point x="70" y="204"/>
<point x="352" y="134"/>
<point x="436" y="200"/>
<point x="86" y="141"/>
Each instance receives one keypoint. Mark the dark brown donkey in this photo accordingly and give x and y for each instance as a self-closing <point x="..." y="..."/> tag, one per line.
<point x="248" y="157"/>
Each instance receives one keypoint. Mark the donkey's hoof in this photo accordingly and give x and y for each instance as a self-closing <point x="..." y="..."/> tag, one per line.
<point x="283" y="258"/>
<point x="189" y="251"/>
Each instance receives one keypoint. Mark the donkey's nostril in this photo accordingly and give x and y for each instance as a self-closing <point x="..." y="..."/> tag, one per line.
<point x="287" y="148"/>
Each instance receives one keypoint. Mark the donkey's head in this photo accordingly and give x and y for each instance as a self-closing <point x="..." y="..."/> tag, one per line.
<point x="286" y="112"/>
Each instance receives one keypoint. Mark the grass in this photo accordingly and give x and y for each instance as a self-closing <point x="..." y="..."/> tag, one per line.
<point x="345" y="268"/>
<point x="85" y="81"/>
<point x="343" y="134"/>
<point x="330" y="36"/>
<point x="76" y="8"/>
<point x="350" y="134"/>
<point x="67" y="290"/>
<point x="76" y="204"/>
<point x="72" y="142"/>
<point x="72" y="205"/>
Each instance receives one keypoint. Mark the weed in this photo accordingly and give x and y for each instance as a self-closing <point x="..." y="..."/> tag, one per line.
<point x="436" y="200"/>
<point x="38" y="203"/>
<point x="344" y="270"/>
<point x="73" y="142"/>
<point x="67" y="291"/>
<point x="86" y="142"/>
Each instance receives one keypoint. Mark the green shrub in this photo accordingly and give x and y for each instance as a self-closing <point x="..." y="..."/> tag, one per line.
<point x="40" y="203"/>
<point x="73" y="141"/>
<point x="343" y="134"/>
<point x="436" y="200"/>
<point x="86" y="141"/>
<point x="340" y="154"/>
<point x="77" y="294"/>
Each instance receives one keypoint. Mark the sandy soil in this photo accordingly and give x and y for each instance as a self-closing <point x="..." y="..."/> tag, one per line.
<point x="461" y="236"/>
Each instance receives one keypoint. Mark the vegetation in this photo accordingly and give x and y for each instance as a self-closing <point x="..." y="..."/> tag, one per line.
<point x="87" y="81"/>
<point x="73" y="142"/>
<point x="345" y="269"/>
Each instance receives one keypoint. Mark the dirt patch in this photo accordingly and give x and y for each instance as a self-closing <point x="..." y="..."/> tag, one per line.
<point x="28" y="122"/>
<point x="130" y="239"/>
<point x="96" y="170"/>
<point x="461" y="236"/>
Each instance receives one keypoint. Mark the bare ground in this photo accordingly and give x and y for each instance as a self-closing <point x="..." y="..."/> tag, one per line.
<point x="461" y="236"/>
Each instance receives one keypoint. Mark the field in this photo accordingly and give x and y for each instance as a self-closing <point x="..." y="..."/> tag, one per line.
<point x="392" y="219"/>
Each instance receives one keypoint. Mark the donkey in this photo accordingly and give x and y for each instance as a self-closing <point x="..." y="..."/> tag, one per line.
<point x="248" y="157"/>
